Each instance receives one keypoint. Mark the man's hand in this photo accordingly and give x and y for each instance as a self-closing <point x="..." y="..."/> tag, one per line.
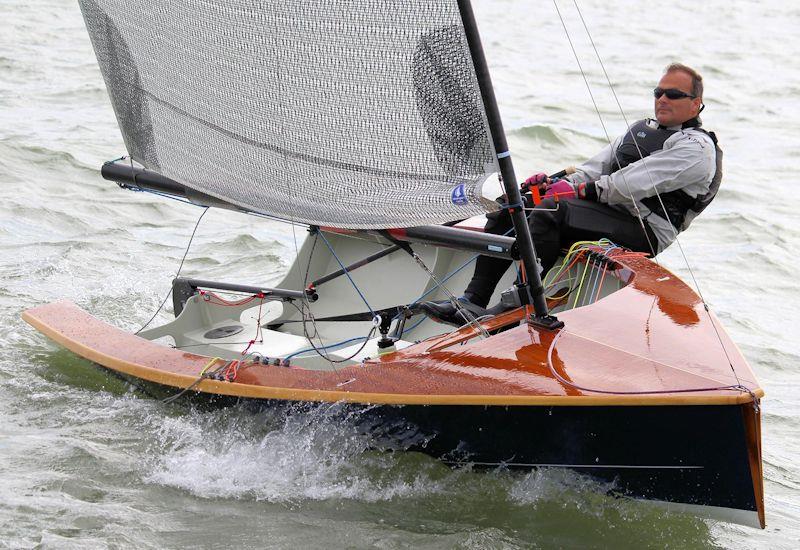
<point x="538" y="181"/>
<point x="561" y="188"/>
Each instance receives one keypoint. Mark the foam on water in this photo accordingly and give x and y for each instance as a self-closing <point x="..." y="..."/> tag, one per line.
<point x="85" y="462"/>
<point x="282" y="454"/>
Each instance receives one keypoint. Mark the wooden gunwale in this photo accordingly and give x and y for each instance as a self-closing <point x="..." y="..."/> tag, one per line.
<point x="60" y="334"/>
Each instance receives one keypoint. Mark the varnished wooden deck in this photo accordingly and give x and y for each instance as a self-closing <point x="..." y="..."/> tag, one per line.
<point x="652" y="337"/>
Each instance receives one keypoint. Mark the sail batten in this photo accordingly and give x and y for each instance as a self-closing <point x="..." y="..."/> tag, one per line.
<point x="342" y="114"/>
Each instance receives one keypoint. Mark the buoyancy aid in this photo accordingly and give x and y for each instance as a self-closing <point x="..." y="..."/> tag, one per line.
<point x="649" y="138"/>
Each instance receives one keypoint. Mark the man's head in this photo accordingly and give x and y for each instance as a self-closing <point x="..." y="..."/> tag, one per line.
<point x="685" y="86"/>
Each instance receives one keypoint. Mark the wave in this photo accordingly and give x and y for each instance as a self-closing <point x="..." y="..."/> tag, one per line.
<point x="553" y="135"/>
<point x="20" y="157"/>
<point x="283" y="454"/>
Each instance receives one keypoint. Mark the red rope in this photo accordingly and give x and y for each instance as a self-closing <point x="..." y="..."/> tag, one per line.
<point x="260" y="296"/>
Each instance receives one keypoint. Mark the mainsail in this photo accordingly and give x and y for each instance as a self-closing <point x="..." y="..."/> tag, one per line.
<point x="356" y="114"/>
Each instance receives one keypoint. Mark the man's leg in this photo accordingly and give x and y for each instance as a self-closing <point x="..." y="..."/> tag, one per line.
<point x="489" y="270"/>
<point x="555" y="226"/>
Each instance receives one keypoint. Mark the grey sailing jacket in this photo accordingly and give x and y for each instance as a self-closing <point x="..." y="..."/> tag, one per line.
<point x="687" y="162"/>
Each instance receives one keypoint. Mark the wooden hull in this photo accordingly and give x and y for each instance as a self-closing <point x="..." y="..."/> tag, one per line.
<point x="704" y="460"/>
<point x="698" y="453"/>
<point x="642" y="388"/>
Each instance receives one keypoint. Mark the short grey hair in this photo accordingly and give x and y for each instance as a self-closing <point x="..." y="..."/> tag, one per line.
<point x="697" y="80"/>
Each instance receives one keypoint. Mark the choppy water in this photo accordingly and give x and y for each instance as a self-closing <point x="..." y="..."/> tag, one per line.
<point x="85" y="462"/>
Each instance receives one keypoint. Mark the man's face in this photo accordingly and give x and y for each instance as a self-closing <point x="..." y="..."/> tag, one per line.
<point x="674" y="112"/>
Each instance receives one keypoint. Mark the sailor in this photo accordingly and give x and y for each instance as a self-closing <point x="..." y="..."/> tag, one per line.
<point x="639" y="192"/>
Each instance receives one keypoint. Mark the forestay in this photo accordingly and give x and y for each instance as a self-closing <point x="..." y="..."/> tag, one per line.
<point x="337" y="113"/>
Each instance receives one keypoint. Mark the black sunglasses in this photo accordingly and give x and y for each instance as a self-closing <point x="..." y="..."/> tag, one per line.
<point x="671" y="93"/>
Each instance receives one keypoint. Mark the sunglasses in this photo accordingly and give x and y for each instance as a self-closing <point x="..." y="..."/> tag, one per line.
<point x="671" y="93"/>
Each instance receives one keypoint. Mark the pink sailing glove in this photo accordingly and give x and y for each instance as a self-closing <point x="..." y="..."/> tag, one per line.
<point x="537" y="180"/>
<point x="561" y="189"/>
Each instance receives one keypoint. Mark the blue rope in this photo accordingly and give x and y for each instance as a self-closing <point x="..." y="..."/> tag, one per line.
<point x="337" y="344"/>
<point x="333" y="252"/>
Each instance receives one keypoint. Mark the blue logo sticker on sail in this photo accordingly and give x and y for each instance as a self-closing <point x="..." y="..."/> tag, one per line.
<point x="459" y="194"/>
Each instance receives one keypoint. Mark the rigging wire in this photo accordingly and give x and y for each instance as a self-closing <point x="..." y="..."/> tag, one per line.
<point x="164" y="301"/>
<point x="603" y="124"/>
<point x="321" y="350"/>
<point x="652" y="183"/>
<point x="471" y="320"/>
<point x="335" y="345"/>
<point x="644" y="164"/>
<point x="347" y="273"/>
<point x="306" y="314"/>
<point x="636" y="143"/>
<point x="305" y="285"/>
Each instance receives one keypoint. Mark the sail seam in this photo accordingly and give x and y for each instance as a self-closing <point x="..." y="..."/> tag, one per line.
<point x="292" y="154"/>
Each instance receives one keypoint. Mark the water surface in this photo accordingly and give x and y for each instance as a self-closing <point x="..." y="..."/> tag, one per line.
<point x="87" y="462"/>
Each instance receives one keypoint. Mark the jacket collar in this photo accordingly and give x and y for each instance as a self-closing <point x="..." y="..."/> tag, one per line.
<point x="691" y="123"/>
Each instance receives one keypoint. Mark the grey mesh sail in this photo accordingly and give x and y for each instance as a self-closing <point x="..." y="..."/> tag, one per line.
<point x="354" y="114"/>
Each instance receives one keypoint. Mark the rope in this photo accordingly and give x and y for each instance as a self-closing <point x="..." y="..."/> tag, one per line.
<point x="322" y="349"/>
<point x="605" y="130"/>
<point x="136" y="189"/>
<point x="738" y="386"/>
<point x="580" y="285"/>
<point x="336" y="345"/>
<point x="347" y="273"/>
<point x="204" y="373"/>
<point x="471" y="320"/>
<point x="164" y="301"/>
<point x="258" y="337"/>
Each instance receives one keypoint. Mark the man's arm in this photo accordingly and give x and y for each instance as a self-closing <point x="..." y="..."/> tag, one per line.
<point x="687" y="162"/>
<point x="600" y="164"/>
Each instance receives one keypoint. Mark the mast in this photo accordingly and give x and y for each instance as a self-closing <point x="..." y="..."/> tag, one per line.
<point x="533" y="284"/>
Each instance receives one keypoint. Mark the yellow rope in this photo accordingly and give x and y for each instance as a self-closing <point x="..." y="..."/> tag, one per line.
<point x="580" y="286"/>
<point x="576" y="248"/>
<point x="213" y="360"/>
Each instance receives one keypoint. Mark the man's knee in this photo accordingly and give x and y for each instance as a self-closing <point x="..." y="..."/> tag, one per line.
<point x="498" y="222"/>
<point x="548" y="215"/>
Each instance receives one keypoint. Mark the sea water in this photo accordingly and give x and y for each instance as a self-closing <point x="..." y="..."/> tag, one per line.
<point x="88" y="462"/>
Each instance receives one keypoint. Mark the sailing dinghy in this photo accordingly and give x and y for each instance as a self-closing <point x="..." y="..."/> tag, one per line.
<point x="377" y="130"/>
